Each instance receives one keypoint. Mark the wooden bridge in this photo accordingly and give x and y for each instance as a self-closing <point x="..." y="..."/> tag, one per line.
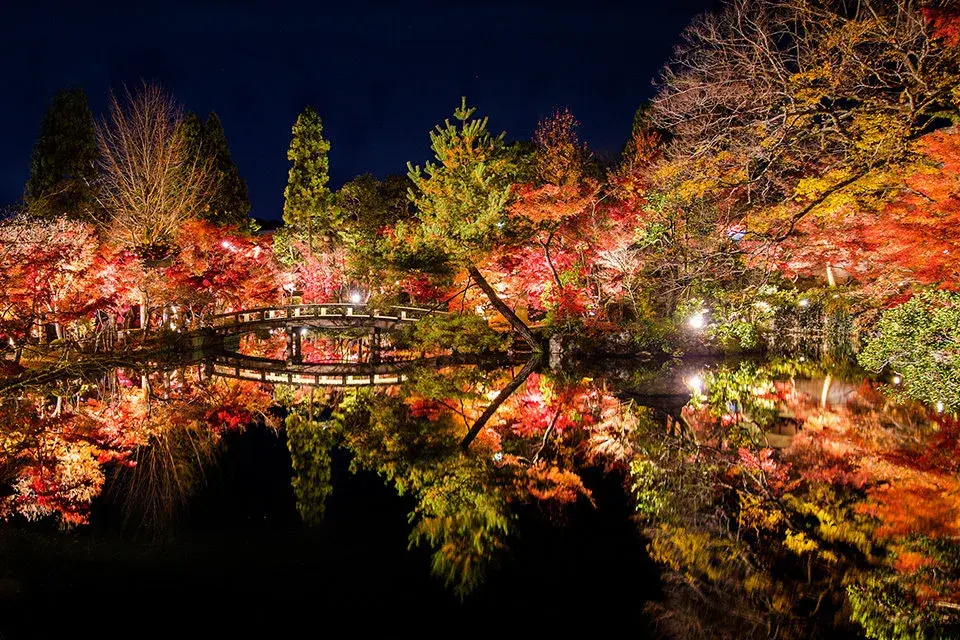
<point x="334" y="315"/>
<point x="296" y="319"/>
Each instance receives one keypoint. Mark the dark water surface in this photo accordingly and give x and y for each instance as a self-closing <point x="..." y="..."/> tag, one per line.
<point x="541" y="523"/>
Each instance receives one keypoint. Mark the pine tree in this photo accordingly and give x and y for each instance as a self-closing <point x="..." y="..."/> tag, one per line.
<point x="308" y="207"/>
<point x="62" y="169"/>
<point x="461" y="197"/>
<point x="229" y="202"/>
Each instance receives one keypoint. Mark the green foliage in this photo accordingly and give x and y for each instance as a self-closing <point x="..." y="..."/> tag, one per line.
<point x="368" y="205"/>
<point x="461" y="333"/>
<point x="743" y="390"/>
<point x="652" y="234"/>
<point x="464" y="517"/>
<point x="461" y="196"/>
<point x="410" y="252"/>
<point x="308" y="204"/>
<point x="647" y="486"/>
<point x="884" y="608"/>
<point x="920" y="340"/>
<point x="384" y="437"/>
<point x="460" y="384"/>
<point x="63" y="165"/>
<point x="382" y="243"/>
<point x="310" y="444"/>
<point x="460" y="510"/>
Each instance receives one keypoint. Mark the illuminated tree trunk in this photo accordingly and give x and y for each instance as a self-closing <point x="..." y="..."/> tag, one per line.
<point x="498" y="304"/>
<point x="144" y="315"/>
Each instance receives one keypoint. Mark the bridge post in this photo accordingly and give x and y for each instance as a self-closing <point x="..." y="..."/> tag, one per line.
<point x="375" y="345"/>
<point x="294" y="351"/>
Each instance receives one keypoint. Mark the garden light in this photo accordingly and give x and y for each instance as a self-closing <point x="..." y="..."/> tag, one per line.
<point x="695" y="383"/>
<point x="697" y="321"/>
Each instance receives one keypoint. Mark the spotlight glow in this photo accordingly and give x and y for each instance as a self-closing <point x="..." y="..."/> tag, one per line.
<point x="804" y="302"/>
<point x="695" y="382"/>
<point x="697" y="321"/>
<point x="355" y="297"/>
<point x="897" y="380"/>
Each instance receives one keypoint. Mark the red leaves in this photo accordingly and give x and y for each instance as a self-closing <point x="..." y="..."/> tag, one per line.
<point x="944" y="24"/>
<point x="549" y="483"/>
<point x="222" y="269"/>
<point x="320" y="276"/>
<point x="542" y="404"/>
<point x="915" y="238"/>
<point x="764" y="465"/>
<point x="421" y="289"/>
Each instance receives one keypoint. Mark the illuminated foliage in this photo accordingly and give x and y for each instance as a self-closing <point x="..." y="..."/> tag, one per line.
<point x="920" y="341"/>
<point x="462" y="195"/>
<point x="793" y="109"/>
<point x="783" y="535"/>
<point x="307" y="207"/>
<point x="309" y="444"/>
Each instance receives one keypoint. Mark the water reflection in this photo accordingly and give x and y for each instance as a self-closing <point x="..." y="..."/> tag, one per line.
<point x="781" y="497"/>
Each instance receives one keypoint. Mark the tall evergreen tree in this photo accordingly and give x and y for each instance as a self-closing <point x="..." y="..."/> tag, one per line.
<point x="229" y="202"/>
<point x="192" y="131"/>
<point x="366" y="204"/>
<point x="461" y="197"/>
<point x="63" y="166"/>
<point x="308" y="207"/>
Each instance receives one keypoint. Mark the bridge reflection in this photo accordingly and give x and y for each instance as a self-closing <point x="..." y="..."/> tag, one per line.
<point x="324" y="374"/>
<point x="295" y="320"/>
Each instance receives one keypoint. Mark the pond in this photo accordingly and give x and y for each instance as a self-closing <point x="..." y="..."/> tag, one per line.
<point x="245" y="490"/>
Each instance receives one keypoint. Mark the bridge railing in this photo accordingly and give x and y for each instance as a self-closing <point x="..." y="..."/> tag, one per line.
<point x="332" y="309"/>
<point x="268" y="376"/>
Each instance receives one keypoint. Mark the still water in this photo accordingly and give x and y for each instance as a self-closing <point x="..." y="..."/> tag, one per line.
<point x="247" y="493"/>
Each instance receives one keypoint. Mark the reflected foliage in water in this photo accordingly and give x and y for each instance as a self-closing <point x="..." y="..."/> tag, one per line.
<point x="780" y="497"/>
<point x="792" y="503"/>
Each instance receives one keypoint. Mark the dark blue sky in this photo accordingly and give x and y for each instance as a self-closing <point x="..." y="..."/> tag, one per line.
<point x="380" y="74"/>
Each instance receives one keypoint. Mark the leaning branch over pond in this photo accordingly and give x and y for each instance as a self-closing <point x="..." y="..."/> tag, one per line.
<point x="505" y="393"/>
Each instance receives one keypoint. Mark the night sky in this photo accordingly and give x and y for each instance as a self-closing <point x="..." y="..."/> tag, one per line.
<point x="380" y="74"/>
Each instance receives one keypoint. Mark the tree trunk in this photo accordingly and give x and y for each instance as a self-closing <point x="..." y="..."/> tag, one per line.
<point x="546" y="254"/>
<point x="506" y="311"/>
<point x="499" y="400"/>
<point x="144" y="314"/>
